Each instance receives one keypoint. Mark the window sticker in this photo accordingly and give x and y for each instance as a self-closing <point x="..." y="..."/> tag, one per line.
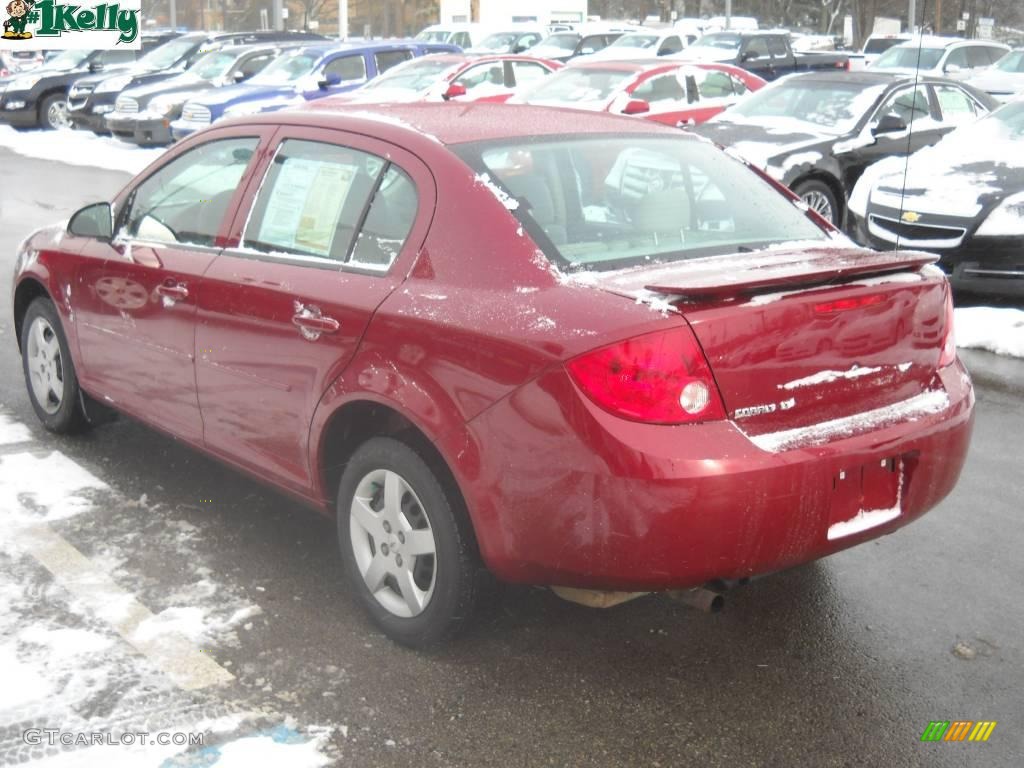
<point x="305" y="205"/>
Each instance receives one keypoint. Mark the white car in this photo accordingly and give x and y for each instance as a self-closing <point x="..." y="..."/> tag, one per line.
<point x="941" y="56"/>
<point x="510" y="39"/>
<point x="644" y="44"/>
<point x="464" y="35"/>
<point x="1004" y="80"/>
<point x="874" y="46"/>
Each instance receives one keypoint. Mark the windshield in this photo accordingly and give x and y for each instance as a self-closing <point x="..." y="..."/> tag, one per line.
<point x="433" y="36"/>
<point x="416" y="75"/>
<point x="499" y="42"/>
<point x="562" y="42"/>
<point x="213" y="65"/>
<point x="287" y="69"/>
<point x="1012" y="62"/>
<point x="66" y="60"/>
<point x="644" y="200"/>
<point x="831" y="106"/>
<point x="906" y="57"/>
<point x="635" y="41"/>
<point x="578" y="86"/>
<point x="723" y="40"/>
<point x="167" y="54"/>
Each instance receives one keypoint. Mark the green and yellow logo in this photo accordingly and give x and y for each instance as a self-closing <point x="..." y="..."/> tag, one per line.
<point x="958" y="730"/>
<point x="52" y="19"/>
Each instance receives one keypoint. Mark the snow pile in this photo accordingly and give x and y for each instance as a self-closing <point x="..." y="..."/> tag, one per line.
<point x="78" y="148"/>
<point x="997" y="329"/>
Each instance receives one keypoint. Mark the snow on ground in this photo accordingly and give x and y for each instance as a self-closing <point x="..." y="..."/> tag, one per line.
<point x="997" y="329"/>
<point x="79" y="148"/>
<point x="90" y="645"/>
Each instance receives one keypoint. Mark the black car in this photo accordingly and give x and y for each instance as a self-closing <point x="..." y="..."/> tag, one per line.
<point x="962" y="199"/>
<point x="769" y="55"/>
<point x="92" y="98"/>
<point x="38" y="98"/>
<point x="143" y="114"/>
<point x="817" y="132"/>
<point x="563" y="46"/>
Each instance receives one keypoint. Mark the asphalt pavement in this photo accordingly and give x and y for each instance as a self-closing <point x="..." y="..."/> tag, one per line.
<point x="842" y="662"/>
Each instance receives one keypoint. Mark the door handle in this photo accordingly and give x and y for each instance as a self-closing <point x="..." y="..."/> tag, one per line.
<point x="311" y="322"/>
<point x="173" y="291"/>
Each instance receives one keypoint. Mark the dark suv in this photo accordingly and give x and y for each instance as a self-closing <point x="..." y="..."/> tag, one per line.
<point x="38" y="97"/>
<point x="93" y="97"/>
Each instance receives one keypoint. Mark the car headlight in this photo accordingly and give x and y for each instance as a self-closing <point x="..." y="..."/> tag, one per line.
<point x="250" y="108"/>
<point x="112" y="84"/>
<point x="23" y="83"/>
<point x="1007" y="220"/>
<point x="166" y="105"/>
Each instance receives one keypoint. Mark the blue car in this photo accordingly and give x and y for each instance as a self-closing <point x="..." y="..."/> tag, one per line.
<point x="302" y="74"/>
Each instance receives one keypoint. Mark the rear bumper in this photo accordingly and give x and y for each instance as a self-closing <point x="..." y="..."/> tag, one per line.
<point x="570" y="495"/>
<point x="153" y="131"/>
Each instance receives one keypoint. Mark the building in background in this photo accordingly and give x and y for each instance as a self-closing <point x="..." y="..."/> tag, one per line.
<point x="496" y="12"/>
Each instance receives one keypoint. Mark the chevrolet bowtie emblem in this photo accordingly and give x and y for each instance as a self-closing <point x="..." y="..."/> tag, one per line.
<point x="911" y="217"/>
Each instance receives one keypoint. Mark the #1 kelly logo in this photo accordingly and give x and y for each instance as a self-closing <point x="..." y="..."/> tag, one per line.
<point x="48" y="24"/>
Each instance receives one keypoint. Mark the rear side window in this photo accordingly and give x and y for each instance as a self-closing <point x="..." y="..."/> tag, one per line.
<point x="978" y="57"/>
<point x="254" y="64"/>
<point x="387" y="59"/>
<point x="332" y="202"/>
<point x="388" y="221"/>
<point x="186" y="201"/>
<point x="956" y="106"/>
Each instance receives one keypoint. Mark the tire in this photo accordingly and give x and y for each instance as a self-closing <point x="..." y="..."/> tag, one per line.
<point x="48" y="117"/>
<point x="49" y="370"/>
<point x="820" y="198"/>
<point x="421" y="599"/>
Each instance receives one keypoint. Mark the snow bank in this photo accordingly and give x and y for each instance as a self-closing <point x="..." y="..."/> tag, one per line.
<point x="79" y="148"/>
<point x="997" y="329"/>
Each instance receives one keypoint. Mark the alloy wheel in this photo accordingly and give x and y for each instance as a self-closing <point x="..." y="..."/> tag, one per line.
<point x="819" y="203"/>
<point x="45" y="366"/>
<point x="393" y="543"/>
<point x="57" y="115"/>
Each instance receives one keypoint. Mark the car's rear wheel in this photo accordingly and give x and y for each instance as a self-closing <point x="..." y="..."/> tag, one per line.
<point x="49" y="371"/>
<point x="408" y="548"/>
<point x="820" y="198"/>
<point x="53" y="112"/>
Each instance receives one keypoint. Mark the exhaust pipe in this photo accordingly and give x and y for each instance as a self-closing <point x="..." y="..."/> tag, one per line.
<point x="700" y="598"/>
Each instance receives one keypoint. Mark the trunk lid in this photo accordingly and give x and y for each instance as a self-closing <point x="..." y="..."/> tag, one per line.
<point x="804" y="337"/>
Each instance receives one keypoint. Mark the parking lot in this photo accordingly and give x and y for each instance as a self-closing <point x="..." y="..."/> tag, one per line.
<point x="239" y="624"/>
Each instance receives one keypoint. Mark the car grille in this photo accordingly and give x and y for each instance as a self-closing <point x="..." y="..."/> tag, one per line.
<point x="193" y="113"/>
<point x="126" y="104"/>
<point x="915" y="234"/>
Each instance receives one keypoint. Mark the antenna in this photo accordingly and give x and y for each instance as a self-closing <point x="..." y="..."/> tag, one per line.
<point x="910" y="128"/>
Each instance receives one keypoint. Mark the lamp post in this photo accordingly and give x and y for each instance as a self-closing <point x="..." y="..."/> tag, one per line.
<point x="342" y="19"/>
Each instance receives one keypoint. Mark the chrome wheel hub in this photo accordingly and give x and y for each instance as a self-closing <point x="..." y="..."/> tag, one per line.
<point x="393" y="543"/>
<point x="45" y="367"/>
<point x="819" y="203"/>
<point x="57" y="115"/>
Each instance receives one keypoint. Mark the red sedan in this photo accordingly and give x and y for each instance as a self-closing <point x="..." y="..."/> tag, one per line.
<point x="451" y="77"/>
<point x="666" y="92"/>
<point x="534" y="342"/>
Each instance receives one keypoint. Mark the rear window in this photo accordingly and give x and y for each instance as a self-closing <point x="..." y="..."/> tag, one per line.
<point x="614" y="201"/>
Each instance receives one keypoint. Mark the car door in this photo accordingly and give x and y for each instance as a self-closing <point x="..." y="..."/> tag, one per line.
<point x="756" y="58"/>
<point x="332" y="230"/>
<point x="710" y="91"/>
<point x="340" y="73"/>
<point x="666" y="95"/>
<point x="956" y="107"/>
<point x="137" y="294"/>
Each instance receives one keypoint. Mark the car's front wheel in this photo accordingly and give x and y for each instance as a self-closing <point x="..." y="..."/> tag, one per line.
<point x="407" y="545"/>
<point x="49" y="371"/>
<point x="820" y="198"/>
<point x="53" y="112"/>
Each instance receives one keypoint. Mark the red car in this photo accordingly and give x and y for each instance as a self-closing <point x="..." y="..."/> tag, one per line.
<point x="673" y="93"/>
<point x="538" y="343"/>
<point x="451" y="77"/>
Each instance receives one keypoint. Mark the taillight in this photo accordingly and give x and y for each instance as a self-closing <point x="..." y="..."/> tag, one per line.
<point x="658" y="378"/>
<point x="948" y="354"/>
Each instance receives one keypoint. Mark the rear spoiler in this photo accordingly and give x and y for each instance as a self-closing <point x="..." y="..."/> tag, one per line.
<point x="745" y="273"/>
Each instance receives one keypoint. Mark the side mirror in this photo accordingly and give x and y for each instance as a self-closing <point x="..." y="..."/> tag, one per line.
<point x="96" y="220"/>
<point x="95" y="66"/>
<point x="328" y="80"/>
<point x="952" y="69"/>
<point x="238" y="76"/>
<point x="454" y="91"/>
<point x="891" y="123"/>
<point x="749" y="56"/>
<point x="636" y="107"/>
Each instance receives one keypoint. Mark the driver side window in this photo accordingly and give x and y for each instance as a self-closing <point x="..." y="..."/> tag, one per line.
<point x="186" y="201"/>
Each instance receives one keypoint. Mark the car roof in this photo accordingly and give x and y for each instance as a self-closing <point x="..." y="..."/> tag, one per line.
<point x="935" y="41"/>
<point x="461" y="123"/>
<point x="864" y="77"/>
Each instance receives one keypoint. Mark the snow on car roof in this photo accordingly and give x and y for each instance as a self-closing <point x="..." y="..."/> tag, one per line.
<point x="462" y="123"/>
